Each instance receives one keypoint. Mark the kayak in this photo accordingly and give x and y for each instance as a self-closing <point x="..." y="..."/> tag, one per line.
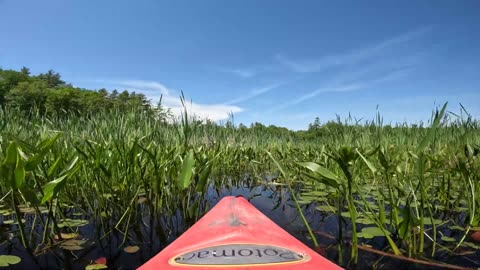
<point x="235" y="235"/>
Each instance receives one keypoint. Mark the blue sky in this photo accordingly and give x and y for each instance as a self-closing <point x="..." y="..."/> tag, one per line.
<point x="275" y="62"/>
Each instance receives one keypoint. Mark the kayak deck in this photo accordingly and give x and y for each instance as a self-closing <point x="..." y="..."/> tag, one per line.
<point x="235" y="235"/>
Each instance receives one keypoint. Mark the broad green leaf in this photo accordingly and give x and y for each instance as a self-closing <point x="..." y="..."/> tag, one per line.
<point x="52" y="188"/>
<point x="332" y="179"/>
<point x="369" y="165"/>
<point x="383" y="159"/>
<point x="43" y="147"/>
<point x="11" y="156"/>
<point x="53" y="169"/>
<point x="203" y="177"/>
<point x="7" y="260"/>
<point x="19" y="172"/>
<point x="406" y="223"/>
<point x="431" y="131"/>
<point x="29" y="195"/>
<point x="185" y="176"/>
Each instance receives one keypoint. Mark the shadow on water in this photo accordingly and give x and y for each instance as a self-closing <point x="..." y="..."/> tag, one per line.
<point x="152" y="235"/>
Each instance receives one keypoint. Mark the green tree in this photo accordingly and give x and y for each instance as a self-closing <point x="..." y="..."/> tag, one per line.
<point x="8" y="80"/>
<point x="27" y="95"/>
<point x="52" y="78"/>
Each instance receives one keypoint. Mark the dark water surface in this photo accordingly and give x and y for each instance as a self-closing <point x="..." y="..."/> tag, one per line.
<point x="153" y="235"/>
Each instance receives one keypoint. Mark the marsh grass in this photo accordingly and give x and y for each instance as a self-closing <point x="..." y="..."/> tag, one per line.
<point x="135" y="177"/>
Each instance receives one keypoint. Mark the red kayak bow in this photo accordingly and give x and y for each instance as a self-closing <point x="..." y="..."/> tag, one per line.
<point x="235" y="235"/>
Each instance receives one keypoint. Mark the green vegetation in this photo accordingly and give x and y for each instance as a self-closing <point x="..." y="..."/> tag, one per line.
<point x="130" y="175"/>
<point x="48" y="94"/>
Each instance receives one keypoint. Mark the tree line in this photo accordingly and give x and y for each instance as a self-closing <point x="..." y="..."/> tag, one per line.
<point x="48" y="93"/>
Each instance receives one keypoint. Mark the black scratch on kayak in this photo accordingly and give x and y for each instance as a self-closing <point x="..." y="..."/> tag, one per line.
<point x="233" y="219"/>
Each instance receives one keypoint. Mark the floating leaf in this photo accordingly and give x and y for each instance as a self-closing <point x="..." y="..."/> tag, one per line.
<point x="66" y="236"/>
<point x="6" y="212"/>
<point x="27" y="210"/>
<point x="131" y="249"/>
<point x="73" y="244"/>
<point x="142" y="200"/>
<point x="448" y="239"/>
<point x="7" y="260"/>
<point x="96" y="266"/>
<point x="72" y="223"/>
<point x="364" y="221"/>
<point x="11" y="221"/>
<point x="101" y="260"/>
<point x="8" y="222"/>
<point x="428" y="221"/>
<point x="370" y="232"/>
<point x="456" y="227"/>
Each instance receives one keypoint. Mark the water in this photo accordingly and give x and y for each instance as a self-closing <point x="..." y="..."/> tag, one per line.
<point x="272" y="200"/>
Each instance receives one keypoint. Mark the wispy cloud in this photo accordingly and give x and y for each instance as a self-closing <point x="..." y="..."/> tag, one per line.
<point x="359" y="69"/>
<point x="352" y="57"/>
<point x="137" y="85"/>
<point x="171" y="99"/>
<point x="340" y="84"/>
<point x="254" y="93"/>
<point x="244" y="73"/>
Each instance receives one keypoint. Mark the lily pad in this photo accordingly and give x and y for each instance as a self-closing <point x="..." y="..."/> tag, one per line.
<point x="72" y="223"/>
<point x="5" y="212"/>
<point x="73" y="244"/>
<point x="142" y="200"/>
<point x="448" y="239"/>
<point x="427" y="221"/>
<point x="456" y="227"/>
<point x="27" y="210"/>
<point x="66" y="236"/>
<point x="96" y="266"/>
<point x="131" y="249"/>
<point x="101" y="260"/>
<point x="12" y="221"/>
<point x="364" y="221"/>
<point x="370" y="232"/>
<point x="6" y="260"/>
